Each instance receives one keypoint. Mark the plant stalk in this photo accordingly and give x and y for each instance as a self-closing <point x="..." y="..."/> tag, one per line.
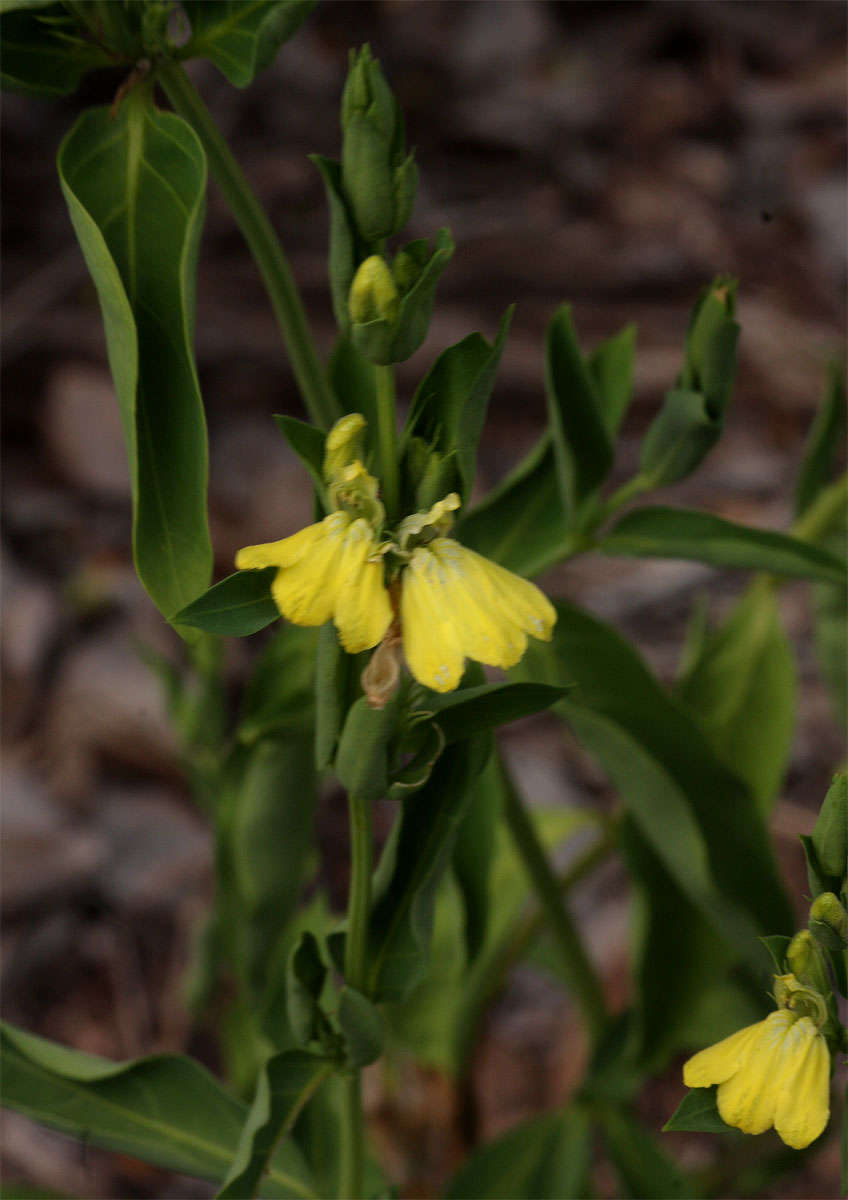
<point x="387" y="441"/>
<point x="351" y="1179"/>
<point x="263" y="242"/>
<point x="585" y="984"/>
<point x="823" y="513"/>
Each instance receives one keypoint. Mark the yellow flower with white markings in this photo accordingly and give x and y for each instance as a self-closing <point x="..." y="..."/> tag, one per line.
<point x="331" y="570"/>
<point x="456" y="604"/>
<point x="774" y="1073"/>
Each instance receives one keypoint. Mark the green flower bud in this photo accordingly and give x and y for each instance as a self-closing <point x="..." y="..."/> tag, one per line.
<point x="830" y="834"/>
<point x="805" y="1001"/>
<point x="345" y="444"/>
<point x="826" y="910"/>
<point x="378" y="179"/>
<point x="804" y="958"/>
<point x="373" y="295"/>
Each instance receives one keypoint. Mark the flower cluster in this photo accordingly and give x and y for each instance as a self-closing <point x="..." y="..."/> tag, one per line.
<point x="450" y="603"/>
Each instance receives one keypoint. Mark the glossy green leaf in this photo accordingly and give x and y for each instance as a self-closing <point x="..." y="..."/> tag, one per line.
<point x="411" y="864"/>
<point x="610" y="366"/>
<point x="239" y="605"/>
<point x="135" y="186"/>
<point x="645" y="1170"/>
<point x="698" y="816"/>
<point x="362" y="1026"/>
<point x="742" y="689"/>
<point x="449" y="407"/>
<point x="165" y="1109"/>
<point x="521" y="524"/>
<point x="241" y="37"/>
<point x="545" y="1158"/>
<point x="469" y="711"/>
<point x="687" y="533"/>
<point x="824" y="437"/>
<point x="582" y="446"/>
<point x="286" y="1083"/>
<point x="697" y="1113"/>
<point x="307" y="441"/>
<point x="36" y="58"/>
<point x="280" y="694"/>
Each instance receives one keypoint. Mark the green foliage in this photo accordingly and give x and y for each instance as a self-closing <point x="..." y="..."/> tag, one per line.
<point x="280" y="695"/>
<point x="643" y="1168"/>
<point x="42" y="53"/>
<point x="822" y="440"/>
<point x="742" y="688"/>
<point x="686" y="533"/>
<point x="697" y="1113"/>
<point x="347" y="250"/>
<point x="241" y="38"/>
<point x="165" y="1109"/>
<point x="135" y="187"/>
<point x="830" y="835"/>
<point x="546" y="1158"/>
<point x="307" y="441"/>
<point x="239" y="605"/>
<point x="610" y="366"/>
<point x="362" y="1027"/>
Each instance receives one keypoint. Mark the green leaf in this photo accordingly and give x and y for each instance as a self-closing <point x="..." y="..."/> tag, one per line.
<point x="306" y="975"/>
<point x="449" y="407"/>
<point x="307" y="441"/>
<point x="241" y="37"/>
<point x="824" y="437"/>
<point x="271" y="835"/>
<point x="165" y="1109"/>
<point x="280" y="693"/>
<point x="336" y="678"/>
<point x="285" y="1085"/>
<point x="699" y="817"/>
<point x="679" y="438"/>
<point x="644" y="1169"/>
<point x="521" y="524"/>
<point x="546" y="1158"/>
<point x="582" y="447"/>
<point x="362" y="1026"/>
<point x="237" y="606"/>
<point x="742" y="689"/>
<point x="469" y="711"/>
<point x="473" y="854"/>
<point x="362" y="759"/>
<point x="412" y="862"/>
<point x="36" y="58"/>
<point x="610" y="366"/>
<point x="777" y="945"/>
<point x="830" y="633"/>
<point x="697" y="1113"/>
<point x="347" y="250"/>
<point x="830" y="832"/>
<point x="686" y="533"/>
<point x="354" y="381"/>
<point x="135" y="187"/>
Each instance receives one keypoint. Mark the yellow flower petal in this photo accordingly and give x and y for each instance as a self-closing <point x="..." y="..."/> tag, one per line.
<point x="282" y="553"/>
<point x="748" y="1099"/>
<point x="430" y="641"/>
<point x="519" y="599"/>
<point x="483" y="632"/>
<point x="717" y="1063"/>
<point x="363" y="611"/>
<point x="306" y="592"/>
<point x="803" y="1104"/>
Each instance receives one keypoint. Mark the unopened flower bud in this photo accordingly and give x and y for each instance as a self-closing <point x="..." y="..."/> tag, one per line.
<point x="827" y="910"/>
<point x="345" y="444"/>
<point x="373" y="295"/>
<point x="381" y="677"/>
<point x="804" y="958"/>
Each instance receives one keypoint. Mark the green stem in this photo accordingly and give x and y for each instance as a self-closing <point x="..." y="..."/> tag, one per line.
<point x="262" y="240"/>
<point x="632" y="488"/>
<point x="584" y="980"/>
<point x="823" y="512"/>
<point x="356" y="965"/>
<point x="387" y="441"/>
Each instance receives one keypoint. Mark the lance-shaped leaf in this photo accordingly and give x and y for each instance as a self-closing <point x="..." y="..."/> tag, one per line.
<point x="742" y="688"/>
<point x="449" y="408"/>
<point x="610" y="366"/>
<point x="165" y="1109"/>
<point x="237" y="606"/>
<point x="417" y="852"/>
<point x="347" y="250"/>
<point x="545" y="1158"/>
<point x="286" y="1083"/>
<point x="41" y="53"/>
<point x="135" y="186"/>
<point x="687" y="533"/>
<point x="822" y="440"/>
<point x="699" y="817"/>
<point x="697" y="1112"/>
<point x="644" y="1169"/>
<point x="308" y="443"/>
<point x="474" y="852"/>
<point x="521" y="524"/>
<point x="241" y="37"/>
<point x="472" y="710"/>
<point x="582" y="446"/>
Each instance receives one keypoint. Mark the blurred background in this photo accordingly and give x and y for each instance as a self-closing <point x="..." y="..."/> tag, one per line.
<point x="614" y="155"/>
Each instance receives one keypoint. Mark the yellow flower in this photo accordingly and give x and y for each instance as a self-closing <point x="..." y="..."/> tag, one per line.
<point x="455" y="604"/>
<point x="330" y="570"/>
<point x="776" y="1072"/>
